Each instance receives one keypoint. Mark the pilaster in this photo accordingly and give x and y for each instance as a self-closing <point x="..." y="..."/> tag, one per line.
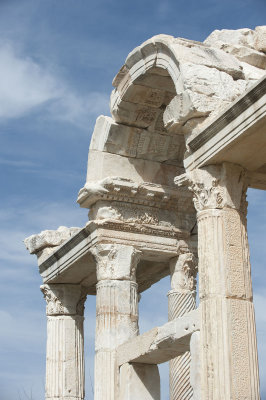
<point x="65" y="341"/>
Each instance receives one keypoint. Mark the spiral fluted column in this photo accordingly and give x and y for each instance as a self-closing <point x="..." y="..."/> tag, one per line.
<point x="181" y="300"/>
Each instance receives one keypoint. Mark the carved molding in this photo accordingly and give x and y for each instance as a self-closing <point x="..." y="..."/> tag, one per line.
<point x="125" y="190"/>
<point x="64" y="299"/>
<point x="182" y="232"/>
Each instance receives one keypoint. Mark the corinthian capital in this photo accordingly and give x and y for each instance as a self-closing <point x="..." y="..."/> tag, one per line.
<point x="116" y="261"/>
<point x="183" y="272"/>
<point x="215" y="186"/>
<point x="64" y="299"/>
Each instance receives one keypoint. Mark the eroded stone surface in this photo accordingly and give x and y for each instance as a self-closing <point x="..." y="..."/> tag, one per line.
<point x="245" y="44"/>
<point x="65" y="341"/>
<point x="49" y="238"/>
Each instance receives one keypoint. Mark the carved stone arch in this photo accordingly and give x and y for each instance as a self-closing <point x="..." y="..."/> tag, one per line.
<point x="167" y="87"/>
<point x="146" y="85"/>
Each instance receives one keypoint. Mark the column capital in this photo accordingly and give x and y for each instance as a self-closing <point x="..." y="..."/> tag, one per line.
<point x="183" y="271"/>
<point x="64" y="299"/>
<point x="116" y="261"/>
<point x="216" y="186"/>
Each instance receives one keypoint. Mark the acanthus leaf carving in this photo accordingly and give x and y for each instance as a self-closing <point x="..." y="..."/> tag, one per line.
<point x="53" y="304"/>
<point x="183" y="272"/>
<point x="64" y="299"/>
<point x="118" y="262"/>
<point x="207" y="196"/>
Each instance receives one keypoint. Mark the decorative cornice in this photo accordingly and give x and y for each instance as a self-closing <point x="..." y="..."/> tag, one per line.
<point x="125" y="190"/>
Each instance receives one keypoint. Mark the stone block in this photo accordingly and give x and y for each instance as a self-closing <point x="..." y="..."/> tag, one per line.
<point x="129" y="113"/>
<point x="260" y="38"/>
<point x="139" y="381"/>
<point x="115" y="138"/>
<point x="210" y="57"/>
<point x="161" y="344"/>
<point x="49" y="238"/>
<point x="238" y="37"/>
<point x="252" y="73"/>
<point x="111" y="137"/>
<point x="102" y="165"/>
<point x="246" y="45"/>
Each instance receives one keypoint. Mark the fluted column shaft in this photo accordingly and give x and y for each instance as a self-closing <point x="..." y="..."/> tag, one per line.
<point x="65" y="342"/>
<point x="116" y="313"/>
<point x="228" y="336"/>
<point x="181" y="299"/>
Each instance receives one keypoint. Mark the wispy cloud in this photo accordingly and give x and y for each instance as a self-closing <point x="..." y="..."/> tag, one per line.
<point x="27" y="86"/>
<point x="23" y="84"/>
<point x="17" y="163"/>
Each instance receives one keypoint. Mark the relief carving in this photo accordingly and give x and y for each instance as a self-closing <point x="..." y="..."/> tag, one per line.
<point x="207" y="196"/>
<point x="216" y="186"/>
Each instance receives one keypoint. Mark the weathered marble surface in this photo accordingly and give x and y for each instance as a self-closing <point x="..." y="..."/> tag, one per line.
<point x="225" y="287"/>
<point x="162" y="343"/>
<point x="167" y="91"/>
<point x="65" y="378"/>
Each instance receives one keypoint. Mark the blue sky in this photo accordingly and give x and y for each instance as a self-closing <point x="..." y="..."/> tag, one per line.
<point x="57" y="62"/>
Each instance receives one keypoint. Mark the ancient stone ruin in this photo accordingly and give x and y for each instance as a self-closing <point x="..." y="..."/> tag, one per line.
<point x="166" y="192"/>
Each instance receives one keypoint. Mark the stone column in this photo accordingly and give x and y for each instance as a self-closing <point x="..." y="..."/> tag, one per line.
<point x="65" y="346"/>
<point x="116" y="312"/>
<point x="181" y="300"/>
<point x="228" y="335"/>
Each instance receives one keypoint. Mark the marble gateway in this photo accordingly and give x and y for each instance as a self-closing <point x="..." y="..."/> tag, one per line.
<point x="166" y="192"/>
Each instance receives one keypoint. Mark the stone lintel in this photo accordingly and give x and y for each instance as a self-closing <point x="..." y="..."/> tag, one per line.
<point x="73" y="261"/>
<point x="162" y="343"/>
<point x="256" y="180"/>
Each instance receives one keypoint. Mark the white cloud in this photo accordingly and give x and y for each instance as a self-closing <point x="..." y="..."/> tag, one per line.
<point x="26" y="85"/>
<point x="23" y="84"/>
